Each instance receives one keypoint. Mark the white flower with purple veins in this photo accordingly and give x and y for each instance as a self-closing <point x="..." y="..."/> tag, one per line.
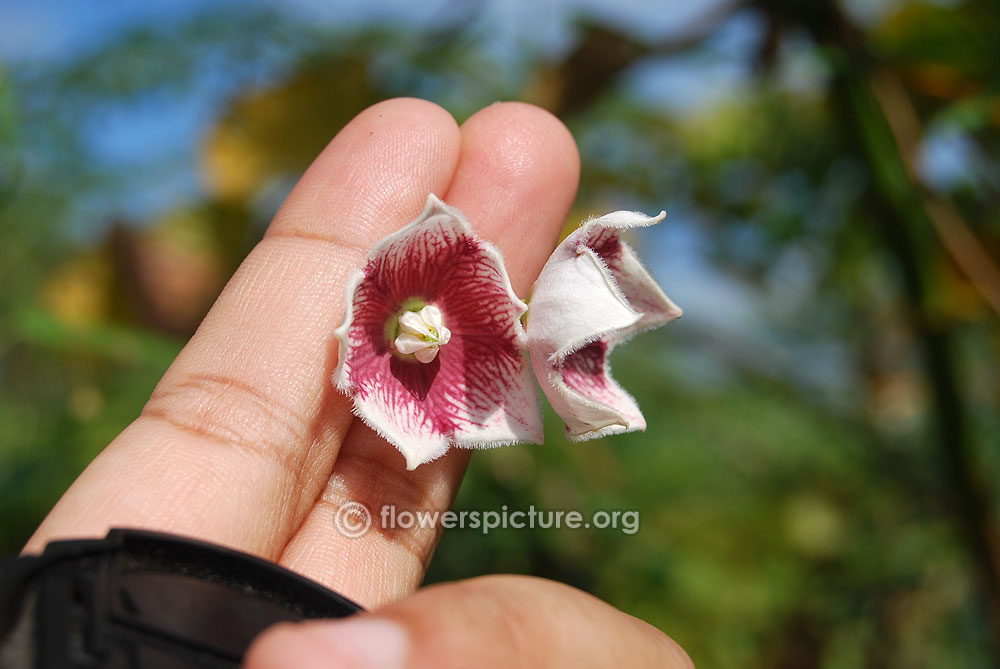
<point x="432" y="349"/>
<point x="433" y="352"/>
<point x="593" y="294"/>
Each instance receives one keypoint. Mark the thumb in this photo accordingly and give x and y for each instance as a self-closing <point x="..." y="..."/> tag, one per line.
<point x="493" y="621"/>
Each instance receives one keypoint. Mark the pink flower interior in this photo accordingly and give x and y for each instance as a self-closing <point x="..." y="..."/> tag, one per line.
<point x="467" y="383"/>
<point x="586" y="372"/>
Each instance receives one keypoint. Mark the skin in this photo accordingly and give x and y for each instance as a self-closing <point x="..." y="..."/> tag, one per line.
<point x="244" y="442"/>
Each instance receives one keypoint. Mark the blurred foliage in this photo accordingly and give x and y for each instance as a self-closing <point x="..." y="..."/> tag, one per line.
<point x="815" y="488"/>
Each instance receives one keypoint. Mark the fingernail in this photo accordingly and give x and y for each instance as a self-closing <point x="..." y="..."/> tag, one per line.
<point x="362" y="643"/>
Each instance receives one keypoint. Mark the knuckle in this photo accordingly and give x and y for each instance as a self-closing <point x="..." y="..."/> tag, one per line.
<point x="225" y="410"/>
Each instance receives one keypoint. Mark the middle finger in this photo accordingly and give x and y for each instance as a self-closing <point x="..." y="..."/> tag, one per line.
<point x="516" y="179"/>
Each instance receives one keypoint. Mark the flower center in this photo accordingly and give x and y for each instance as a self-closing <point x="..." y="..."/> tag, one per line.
<point x="421" y="333"/>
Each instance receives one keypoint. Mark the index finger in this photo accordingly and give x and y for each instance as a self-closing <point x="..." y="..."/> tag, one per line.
<point x="234" y="444"/>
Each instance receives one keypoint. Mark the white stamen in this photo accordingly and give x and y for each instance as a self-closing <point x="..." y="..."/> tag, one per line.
<point x="421" y="333"/>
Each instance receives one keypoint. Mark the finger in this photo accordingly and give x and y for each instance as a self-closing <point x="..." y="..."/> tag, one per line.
<point x="241" y="433"/>
<point x="516" y="180"/>
<point x="495" y="621"/>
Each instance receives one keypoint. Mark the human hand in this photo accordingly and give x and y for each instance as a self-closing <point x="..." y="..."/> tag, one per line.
<point x="245" y="442"/>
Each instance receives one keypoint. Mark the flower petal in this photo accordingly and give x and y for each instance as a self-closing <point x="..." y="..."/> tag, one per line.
<point x="592" y="294"/>
<point x="476" y="390"/>
<point x="603" y="237"/>
<point x="590" y="402"/>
